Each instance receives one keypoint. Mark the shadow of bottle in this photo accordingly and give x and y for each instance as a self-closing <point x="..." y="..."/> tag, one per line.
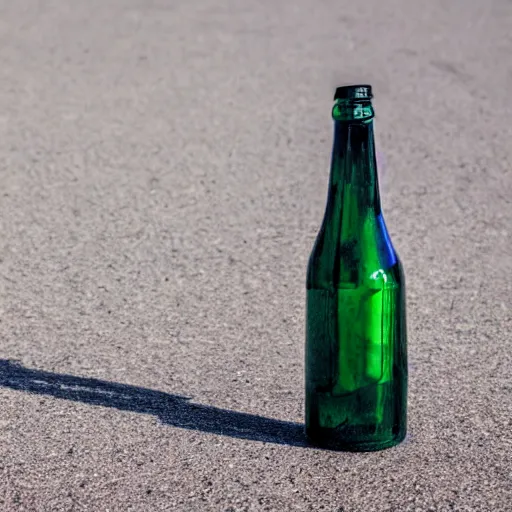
<point x="172" y="410"/>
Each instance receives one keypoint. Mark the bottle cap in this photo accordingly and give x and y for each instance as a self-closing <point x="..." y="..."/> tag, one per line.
<point x="354" y="92"/>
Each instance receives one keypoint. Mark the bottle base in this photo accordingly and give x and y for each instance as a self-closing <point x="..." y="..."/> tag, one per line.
<point x="331" y="440"/>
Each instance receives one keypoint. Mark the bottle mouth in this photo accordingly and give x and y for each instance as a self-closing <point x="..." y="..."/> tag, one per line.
<point x="353" y="92"/>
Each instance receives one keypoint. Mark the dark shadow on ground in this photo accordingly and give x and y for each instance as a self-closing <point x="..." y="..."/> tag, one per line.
<point x="172" y="410"/>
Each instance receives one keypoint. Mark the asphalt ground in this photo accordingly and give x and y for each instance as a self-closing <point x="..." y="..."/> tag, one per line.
<point x="163" y="175"/>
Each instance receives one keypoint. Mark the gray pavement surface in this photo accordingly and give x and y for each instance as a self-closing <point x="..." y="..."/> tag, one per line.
<point x="163" y="175"/>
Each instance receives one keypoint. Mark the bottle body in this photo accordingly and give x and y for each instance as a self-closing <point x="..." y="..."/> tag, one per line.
<point x="356" y="348"/>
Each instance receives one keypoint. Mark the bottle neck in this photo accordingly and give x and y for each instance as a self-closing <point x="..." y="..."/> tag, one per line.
<point x="353" y="242"/>
<point x="354" y="165"/>
<point x="355" y="191"/>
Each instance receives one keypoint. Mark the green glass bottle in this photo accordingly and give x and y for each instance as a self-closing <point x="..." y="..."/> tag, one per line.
<point x="356" y="340"/>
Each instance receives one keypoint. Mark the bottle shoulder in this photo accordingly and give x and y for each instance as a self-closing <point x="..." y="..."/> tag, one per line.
<point x="366" y="277"/>
<point x="335" y="262"/>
